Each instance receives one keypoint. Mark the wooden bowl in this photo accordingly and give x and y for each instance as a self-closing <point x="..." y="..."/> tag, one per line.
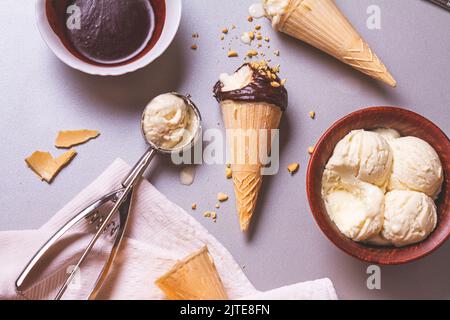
<point x="407" y="123"/>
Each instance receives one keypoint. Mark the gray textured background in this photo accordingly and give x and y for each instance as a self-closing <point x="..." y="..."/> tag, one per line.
<point x="39" y="96"/>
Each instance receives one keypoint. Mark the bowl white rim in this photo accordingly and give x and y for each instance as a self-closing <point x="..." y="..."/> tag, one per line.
<point x="171" y="25"/>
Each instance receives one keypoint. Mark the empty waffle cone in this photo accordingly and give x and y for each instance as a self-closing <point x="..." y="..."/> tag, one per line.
<point x="193" y="278"/>
<point x="321" y="24"/>
<point x="240" y="118"/>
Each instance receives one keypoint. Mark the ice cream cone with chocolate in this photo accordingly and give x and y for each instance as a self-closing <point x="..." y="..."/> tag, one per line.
<point x="193" y="278"/>
<point x="321" y="24"/>
<point x="252" y="100"/>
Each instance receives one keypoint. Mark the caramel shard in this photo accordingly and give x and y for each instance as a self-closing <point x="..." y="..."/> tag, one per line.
<point x="68" y="139"/>
<point x="47" y="167"/>
<point x="293" y="168"/>
<point x="193" y="278"/>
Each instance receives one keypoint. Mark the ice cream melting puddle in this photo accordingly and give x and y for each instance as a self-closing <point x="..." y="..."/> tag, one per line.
<point x="256" y="10"/>
<point x="187" y="175"/>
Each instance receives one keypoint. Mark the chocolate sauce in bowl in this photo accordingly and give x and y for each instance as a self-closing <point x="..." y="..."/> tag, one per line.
<point x="109" y="32"/>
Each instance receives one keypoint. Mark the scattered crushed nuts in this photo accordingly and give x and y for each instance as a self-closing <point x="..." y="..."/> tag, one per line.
<point x="277" y="53"/>
<point x="217" y="205"/>
<point x="258" y="27"/>
<point x="293" y="168"/>
<point x="222" y="197"/>
<point x="312" y="115"/>
<point x="232" y="54"/>
<point x="207" y="214"/>
<point x="228" y="173"/>
<point x="194" y="47"/>
<point x="225" y="30"/>
<point x="274" y="84"/>
<point x="311" y="150"/>
<point x="252" y="53"/>
<point x="250" y="19"/>
<point x="194" y="206"/>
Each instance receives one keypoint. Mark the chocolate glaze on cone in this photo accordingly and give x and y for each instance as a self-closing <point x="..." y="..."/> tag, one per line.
<point x="247" y="179"/>
<point x="193" y="278"/>
<point x="321" y="24"/>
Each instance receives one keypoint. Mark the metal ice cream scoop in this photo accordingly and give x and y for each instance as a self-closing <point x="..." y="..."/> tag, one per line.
<point x="109" y="222"/>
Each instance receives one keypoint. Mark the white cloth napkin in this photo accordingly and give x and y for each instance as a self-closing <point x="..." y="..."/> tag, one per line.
<point x="158" y="234"/>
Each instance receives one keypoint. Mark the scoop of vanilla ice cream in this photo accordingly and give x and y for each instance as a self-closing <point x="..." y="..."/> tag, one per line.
<point x="387" y="133"/>
<point x="364" y="154"/>
<point x="409" y="217"/>
<point x="275" y="9"/>
<point x="237" y="80"/>
<point x="168" y="121"/>
<point x="356" y="207"/>
<point x="416" y="167"/>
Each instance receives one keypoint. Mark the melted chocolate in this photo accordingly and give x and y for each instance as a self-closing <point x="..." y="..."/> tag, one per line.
<point x="112" y="32"/>
<point x="258" y="90"/>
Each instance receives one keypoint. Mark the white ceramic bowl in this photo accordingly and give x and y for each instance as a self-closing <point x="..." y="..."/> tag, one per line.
<point x="172" y="22"/>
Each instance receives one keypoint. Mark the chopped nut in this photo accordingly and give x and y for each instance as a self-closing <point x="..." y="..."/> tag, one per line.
<point x="222" y="197"/>
<point x="207" y="214"/>
<point x="311" y="150"/>
<point x="194" y="47"/>
<point x="213" y="215"/>
<point x="217" y="205"/>
<point x="274" y="84"/>
<point x="277" y="53"/>
<point x="250" y="19"/>
<point x="252" y="53"/>
<point x="267" y="39"/>
<point x="312" y="115"/>
<point x="222" y="37"/>
<point x="293" y="168"/>
<point x="259" y="36"/>
<point x="229" y="173"/>
<point x="258" y="27"/>
<point x="283" y="82"/>
<point x="225" y="30"/>
<point x="251" y="35"/>
<point x="232" y="54"/>
<point x="194" y="206"/>
<point x="233" y="26"/>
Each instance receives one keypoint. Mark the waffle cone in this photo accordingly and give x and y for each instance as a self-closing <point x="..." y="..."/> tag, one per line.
<point x="193" y="278"/>
<point x="321" y="24"/>
<point x="246" y="161"/>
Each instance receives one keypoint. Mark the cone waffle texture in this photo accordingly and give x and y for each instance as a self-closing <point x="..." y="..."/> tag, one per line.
<point x="321" y="24"/>
<point x="246" y="162"/>
<point x="194" y="278"/>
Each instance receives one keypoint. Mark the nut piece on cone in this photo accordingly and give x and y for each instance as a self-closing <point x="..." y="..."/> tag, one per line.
<point x="193" y="278"/>
<point x="321" y="24"/>
<point x="251" y="107"/>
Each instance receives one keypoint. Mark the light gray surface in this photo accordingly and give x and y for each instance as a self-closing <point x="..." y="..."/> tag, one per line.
<point x="39" y="96"/>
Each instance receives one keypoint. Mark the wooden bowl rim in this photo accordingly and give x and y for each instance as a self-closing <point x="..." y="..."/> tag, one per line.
<point x="320" y="216"/>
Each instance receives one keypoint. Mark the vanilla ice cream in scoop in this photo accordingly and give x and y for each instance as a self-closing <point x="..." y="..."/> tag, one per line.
<point x="169" y="122"/>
